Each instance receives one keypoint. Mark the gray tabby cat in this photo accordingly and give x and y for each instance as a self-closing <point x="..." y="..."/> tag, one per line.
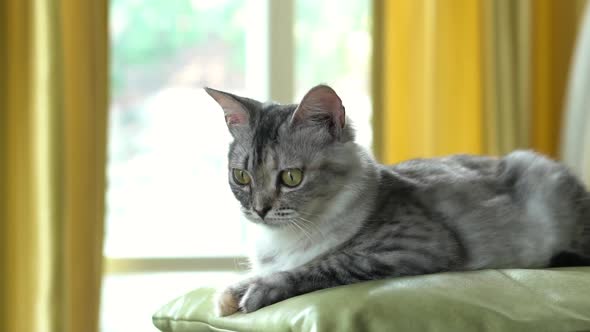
<point x="327" y="214"/>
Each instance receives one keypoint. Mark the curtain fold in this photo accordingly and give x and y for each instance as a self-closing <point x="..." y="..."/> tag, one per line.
<point x="575" y="142"/>
<point x="427" y="78"/>
<point x="554" y="26"/>
<point x="470" y="76"/>
<point x="53" y="110"/>
<point x="506" y="91"/>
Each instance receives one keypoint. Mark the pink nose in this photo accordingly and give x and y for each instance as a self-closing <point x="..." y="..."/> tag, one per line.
<point x="262" y="212"/>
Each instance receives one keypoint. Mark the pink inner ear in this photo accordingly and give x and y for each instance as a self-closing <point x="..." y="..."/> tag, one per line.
<point x="328" y="101"/>
<point x="235" y="113"/>
<point x="322" y="99"/>
<point x="235" y="119"/>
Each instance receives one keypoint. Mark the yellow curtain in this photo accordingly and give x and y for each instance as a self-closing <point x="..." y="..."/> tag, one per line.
<point x="53" y="107"/>
<point x="427" y="78"/>
<point x="554" y="26"/>
<point x="470" y="76"/>
<point x="506" y="91"/>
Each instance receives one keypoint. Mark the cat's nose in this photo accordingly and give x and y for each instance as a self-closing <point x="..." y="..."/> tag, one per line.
<point x="263" y="211"/>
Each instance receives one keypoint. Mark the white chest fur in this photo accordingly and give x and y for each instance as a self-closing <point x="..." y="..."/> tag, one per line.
<point x="287" y="248"/>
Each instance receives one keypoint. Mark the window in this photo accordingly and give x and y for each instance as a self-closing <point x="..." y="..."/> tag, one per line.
<point x="172" y="223"/>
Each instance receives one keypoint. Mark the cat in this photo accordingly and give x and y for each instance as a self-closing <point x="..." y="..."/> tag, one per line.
<point x="327" y="214"/>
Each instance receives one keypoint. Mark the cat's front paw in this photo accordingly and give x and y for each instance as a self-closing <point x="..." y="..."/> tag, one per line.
<point x="261" y="292"/>
<point x="250" y="295"/>
<point x="226" y="303"/>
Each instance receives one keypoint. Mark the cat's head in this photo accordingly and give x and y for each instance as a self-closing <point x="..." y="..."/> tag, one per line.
<point x="287" y="162"/>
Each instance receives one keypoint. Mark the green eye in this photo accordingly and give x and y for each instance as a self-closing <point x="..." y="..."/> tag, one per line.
<point x="241" y="177"/>
<point x="292" y="177"/>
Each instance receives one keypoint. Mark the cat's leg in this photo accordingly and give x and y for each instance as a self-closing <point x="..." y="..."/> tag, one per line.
<point x="579" y="252"/>
<point x="336" y="269"/>
<point x="549" y="187"/>
<point x="408" y="245"/>
<point x="582" y="237"/>
<point x="227" y="301"/>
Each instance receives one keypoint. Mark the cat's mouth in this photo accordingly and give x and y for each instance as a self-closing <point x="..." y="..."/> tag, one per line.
<point x="279" y="218"/>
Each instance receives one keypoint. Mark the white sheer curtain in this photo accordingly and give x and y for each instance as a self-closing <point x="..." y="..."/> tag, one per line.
<point x="575" y="143"/>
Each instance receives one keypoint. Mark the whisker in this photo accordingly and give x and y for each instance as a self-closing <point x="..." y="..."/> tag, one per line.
<point x="309" y="224"/>
<point x="307" y="221"/>
<point x="291" y="227"/>
<point x="304" y="225"/>
<point x="308" y="230"/>
<point x="293" y="222"/>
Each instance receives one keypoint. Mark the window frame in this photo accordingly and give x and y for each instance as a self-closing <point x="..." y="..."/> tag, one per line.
<point x="274" y="33"/>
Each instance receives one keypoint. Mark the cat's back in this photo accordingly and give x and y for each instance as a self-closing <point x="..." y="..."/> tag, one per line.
<point x="445" y="186"/>
<point x="517" y="210"/>
<point x="447" y="169"/>
<point x="519" y="176"/>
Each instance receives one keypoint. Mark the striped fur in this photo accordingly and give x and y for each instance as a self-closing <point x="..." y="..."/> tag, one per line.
<point x="352" y="219"/>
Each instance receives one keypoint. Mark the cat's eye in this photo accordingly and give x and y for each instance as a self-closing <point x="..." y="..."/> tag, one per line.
<point x="292" y="177"/>
<point x="241" y="177"/>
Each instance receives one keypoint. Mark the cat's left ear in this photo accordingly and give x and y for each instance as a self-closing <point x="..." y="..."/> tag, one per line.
<point x="236" y="114"/>
<point x="321" y="106"/>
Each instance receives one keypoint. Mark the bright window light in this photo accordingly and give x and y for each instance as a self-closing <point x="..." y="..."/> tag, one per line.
<point x="167" y="197"/>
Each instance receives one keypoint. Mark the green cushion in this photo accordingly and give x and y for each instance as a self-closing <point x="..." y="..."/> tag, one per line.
<point x="491" y="300"/>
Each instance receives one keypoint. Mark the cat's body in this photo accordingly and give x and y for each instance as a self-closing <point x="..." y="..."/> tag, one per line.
<point x="350" y="219"/>
<point x="481" y="216"/>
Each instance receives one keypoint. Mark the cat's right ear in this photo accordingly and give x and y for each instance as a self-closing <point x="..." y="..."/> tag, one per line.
<point x="236" y="114"/>
<point x="321" y="107"/>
